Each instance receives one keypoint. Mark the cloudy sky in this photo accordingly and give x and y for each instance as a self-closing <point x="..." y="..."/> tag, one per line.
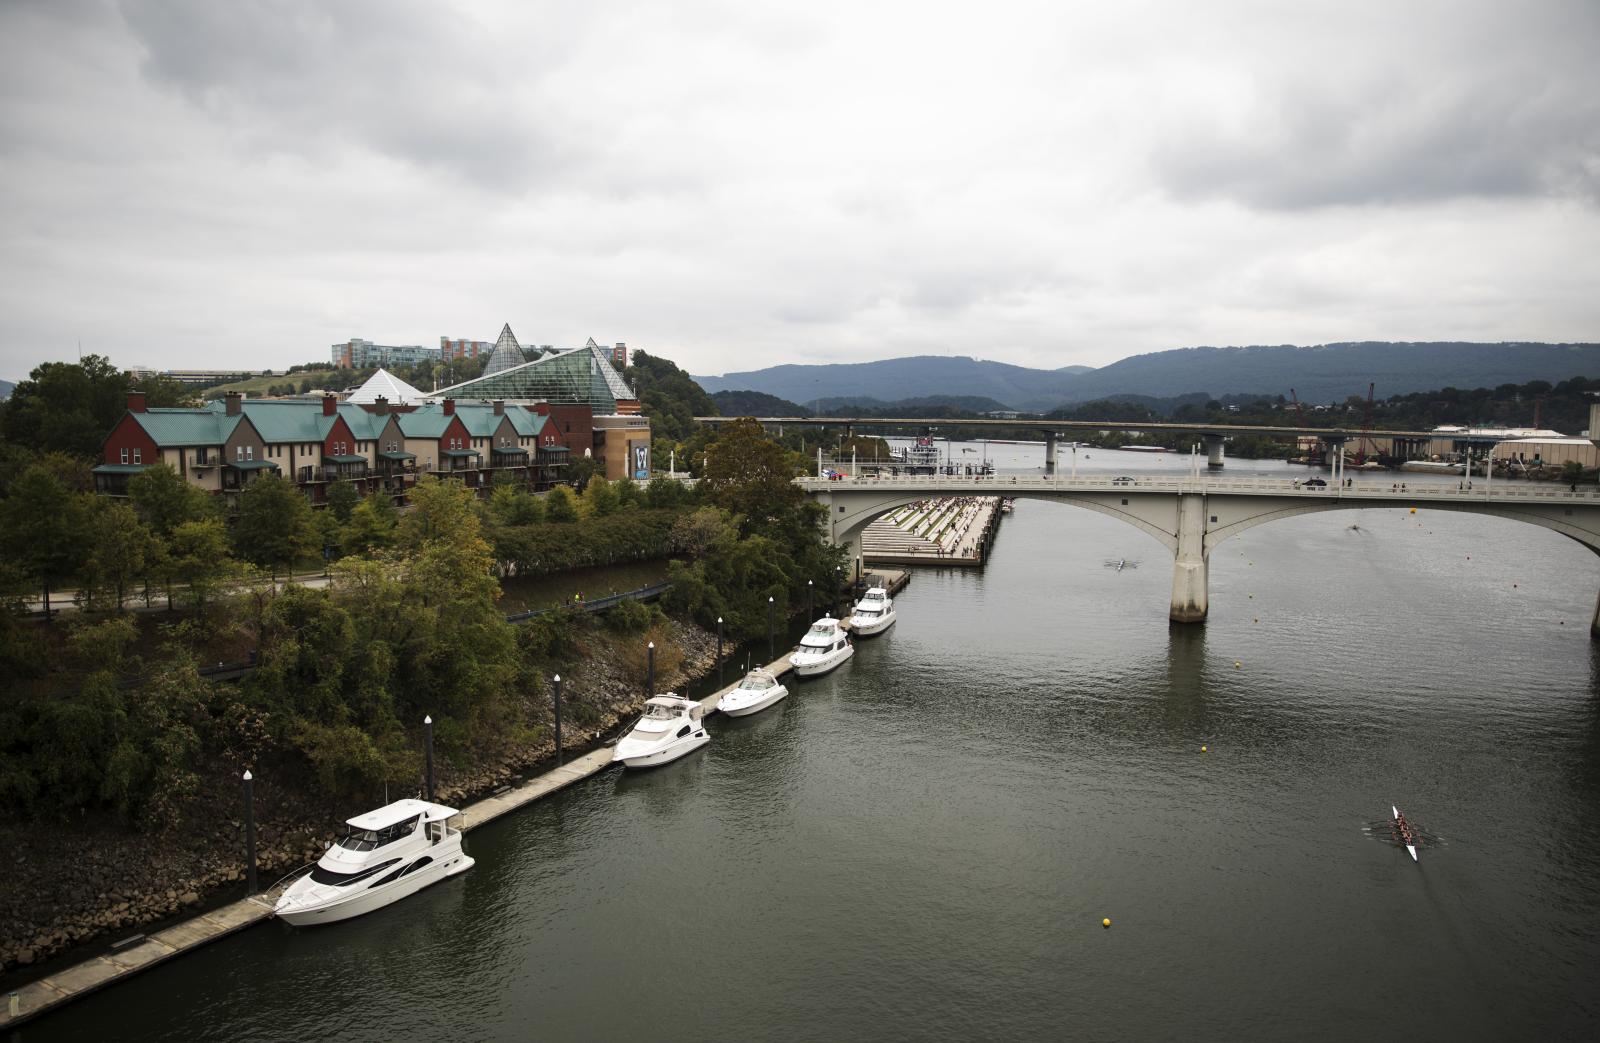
<point x="736" y="184"/>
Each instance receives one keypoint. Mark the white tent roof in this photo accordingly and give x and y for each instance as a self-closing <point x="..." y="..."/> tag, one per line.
<point x="384" y="384"/>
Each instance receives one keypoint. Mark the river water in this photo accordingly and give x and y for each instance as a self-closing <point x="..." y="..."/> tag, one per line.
<point x="923" y="844"/>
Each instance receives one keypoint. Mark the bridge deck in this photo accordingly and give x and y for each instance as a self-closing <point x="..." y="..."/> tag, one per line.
<point x="1483" y="491"/>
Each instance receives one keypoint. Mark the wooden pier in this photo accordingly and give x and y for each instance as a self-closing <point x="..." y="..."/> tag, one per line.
<point x="97" y="972"/>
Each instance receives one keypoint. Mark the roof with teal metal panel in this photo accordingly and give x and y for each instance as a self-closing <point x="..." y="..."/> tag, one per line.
<point x="184" y="426"/>
<point x="428" y="421"/>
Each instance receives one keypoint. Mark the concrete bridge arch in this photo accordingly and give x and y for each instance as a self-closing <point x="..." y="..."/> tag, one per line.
<point x="1192" y="516"/>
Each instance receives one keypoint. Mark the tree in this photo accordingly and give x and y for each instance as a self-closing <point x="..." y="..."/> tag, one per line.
<point x="440" y="511"/>
<point x="342" y="499"/>
<point x="197" y="554"/>
<point x="70" y="406"/>
<point x="372" y="525"/>
<point x="120" y="547"/>
<point x="749" y="474"/>
<point x="45" y="529"/>
<point x="166" y="500"/>
<point x="274" y="528"/>
<point x="598" y="498"/>
<point x="558" y="505"/>
<point x="509" y="505"/>
<point x="580" y="470"/>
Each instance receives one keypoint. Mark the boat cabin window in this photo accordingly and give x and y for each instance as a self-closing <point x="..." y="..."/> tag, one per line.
<point x="869" y="613"/>
<point x="660" y="713"/>
<point x="328" y="876"/>
<point x="822" y="630"/>
<point x="370" y="839"/>
<point x="757" y="684"/>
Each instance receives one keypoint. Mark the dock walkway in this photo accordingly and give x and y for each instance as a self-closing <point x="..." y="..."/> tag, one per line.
<point x="96" y="972"/>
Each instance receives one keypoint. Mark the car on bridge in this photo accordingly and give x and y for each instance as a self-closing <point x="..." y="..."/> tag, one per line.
<point x="1314" y="482"/>
<point x="1122" y="479"/>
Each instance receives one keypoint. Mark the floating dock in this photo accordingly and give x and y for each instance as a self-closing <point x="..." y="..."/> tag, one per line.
<point x="146" y="951"/>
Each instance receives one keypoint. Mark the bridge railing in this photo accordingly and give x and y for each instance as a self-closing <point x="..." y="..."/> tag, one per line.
<point x="999" y="485"/>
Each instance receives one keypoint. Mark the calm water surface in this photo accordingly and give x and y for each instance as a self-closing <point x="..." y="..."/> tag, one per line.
<point x="923" y="844"/>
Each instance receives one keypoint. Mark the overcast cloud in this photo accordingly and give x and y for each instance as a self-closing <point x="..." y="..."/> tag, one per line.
<point x="735" y="185"/>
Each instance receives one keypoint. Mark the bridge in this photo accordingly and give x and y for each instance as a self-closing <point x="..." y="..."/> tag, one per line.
<point x="1405" y="443"/>
<point x="1191" y="514"/>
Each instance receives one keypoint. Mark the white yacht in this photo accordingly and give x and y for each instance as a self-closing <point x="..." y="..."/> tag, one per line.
<point x="670" y="728"/>
<point x="822" y="648"/>
<point x="756" y="692"/>
<point x="873" y="614"/>
<point x="384" y="856"/>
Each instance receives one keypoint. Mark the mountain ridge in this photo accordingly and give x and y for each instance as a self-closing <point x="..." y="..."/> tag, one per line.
<point x="1319" y="373"/>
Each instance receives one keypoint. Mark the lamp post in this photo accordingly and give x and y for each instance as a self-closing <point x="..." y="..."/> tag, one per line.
<point x="427" y="750"/>
<point x="771" y="648"/>
<point x="558" y="719"/>
<point x="249" y="835"/>
<point x="811" y="604"/>
<point x="719" y="651"/>
<point x="650" y="670"/>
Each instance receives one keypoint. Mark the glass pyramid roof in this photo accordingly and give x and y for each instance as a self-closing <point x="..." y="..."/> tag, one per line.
<point x="507" y="353"/>
<point x="583" y="376"/>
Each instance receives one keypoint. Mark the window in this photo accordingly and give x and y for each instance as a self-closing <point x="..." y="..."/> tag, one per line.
<point x="124" y="456"/>
<point x="325" y="876"/>
<point x="137" y="453"/>
<point x="238" y="452"/>
<point x="249" y="452"/>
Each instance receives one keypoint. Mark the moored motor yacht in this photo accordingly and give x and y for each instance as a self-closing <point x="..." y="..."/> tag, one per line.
<point x="670" y="728"/>
<point x="873" y="614"/>
<point x="822" y="648"/>
<point x="756" y="692"/>
<point x="382" y="857"/>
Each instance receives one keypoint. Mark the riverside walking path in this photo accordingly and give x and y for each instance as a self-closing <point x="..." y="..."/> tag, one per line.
<point x="145" y="951"/>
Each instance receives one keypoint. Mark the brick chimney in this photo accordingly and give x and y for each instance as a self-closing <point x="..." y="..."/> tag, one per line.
<point x="135" y="401"/>
<point x="235" y="403"/>
<point x="449" y="407"/>
<point x="330" y="405"/>
<point x="380" y="406"/>
<point x="542" y="408"/>
<point x="499" y="407"/>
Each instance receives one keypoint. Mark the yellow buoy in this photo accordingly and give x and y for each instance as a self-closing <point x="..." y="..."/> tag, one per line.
<point x="1413" y="510"/>
<point x="1203" y="749"/>
<point x="1236" y="664"/>
<point x="1106" y="922"/>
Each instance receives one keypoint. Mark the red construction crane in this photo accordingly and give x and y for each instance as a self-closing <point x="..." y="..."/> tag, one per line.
<point x="1366" y="426"/>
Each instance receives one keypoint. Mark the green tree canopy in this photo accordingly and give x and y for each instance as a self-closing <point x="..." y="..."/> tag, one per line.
<point x="166" y="500"/>
<point x="45" y="529"/>
<point x="750" y="475"/>
<point x="274" y="528"/>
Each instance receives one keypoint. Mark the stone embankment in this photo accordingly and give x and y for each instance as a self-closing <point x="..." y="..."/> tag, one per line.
<point x="76" y="882"/>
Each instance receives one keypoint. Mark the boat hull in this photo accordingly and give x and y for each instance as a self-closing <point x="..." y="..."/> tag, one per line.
<point x="809" y="667"/>
<point x="665" y="755"/>
<point x="367" y="901"/>
<point x="1412" y="848"/>
<point x="755" y="707"/>
<point x="877" y="626"/>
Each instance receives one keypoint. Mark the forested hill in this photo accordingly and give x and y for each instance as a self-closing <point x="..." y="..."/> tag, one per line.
<point x="893" y="379"/>
<point x="1333" y="372"/>
<point x="1323" y="373"/>
<point x="755" y="403"/>
<point x="5" y="388"/>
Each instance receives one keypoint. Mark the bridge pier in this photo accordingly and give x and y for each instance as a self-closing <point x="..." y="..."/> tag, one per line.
<point x="1594" y="624"/>
<point x="1190" y="568"/>
<point x="1050" y="456"/>
<point x="1213" y="445"/>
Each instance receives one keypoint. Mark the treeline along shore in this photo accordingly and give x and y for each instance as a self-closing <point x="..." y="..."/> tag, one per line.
<point x="120" y="761"/>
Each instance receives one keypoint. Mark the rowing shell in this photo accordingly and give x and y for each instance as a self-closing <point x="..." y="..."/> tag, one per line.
<point x="1409" y="847"/>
